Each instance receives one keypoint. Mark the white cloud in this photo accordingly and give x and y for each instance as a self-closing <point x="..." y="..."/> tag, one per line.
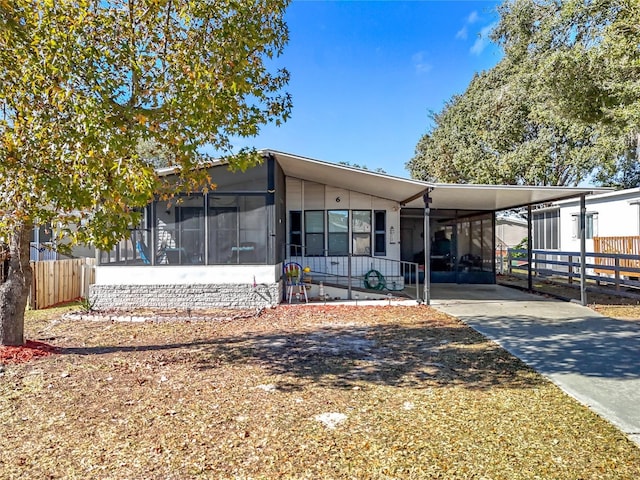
<point x="420" y="62"/>
<point x="483" y="40"/>
<point x="472" y="18"/>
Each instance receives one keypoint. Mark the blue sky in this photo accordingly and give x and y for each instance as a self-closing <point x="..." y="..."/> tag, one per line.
<point x="366" y="74"/>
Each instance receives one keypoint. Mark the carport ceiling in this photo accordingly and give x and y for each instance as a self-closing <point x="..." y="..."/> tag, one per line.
<point x="409" y="192"/>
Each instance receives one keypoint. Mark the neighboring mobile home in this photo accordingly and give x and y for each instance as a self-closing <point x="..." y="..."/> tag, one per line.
<point x="43" y="247"/>
<point x="612" y="226"/>
<point x="610" y="214"/>
<point x="227" y="248"/>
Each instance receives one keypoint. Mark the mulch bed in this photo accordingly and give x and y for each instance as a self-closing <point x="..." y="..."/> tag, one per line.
<point x="24" y="353"/>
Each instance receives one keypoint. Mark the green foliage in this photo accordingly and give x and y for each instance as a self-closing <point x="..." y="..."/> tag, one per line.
<point x="562" y="106"/>
<point x="362" y="167"/>
<point x="85" y="85"/>
<point x="154" y="153"/>
<point x="85" y="305"/>
<point x="523" y="245"/>
<point x="491" y="135"/>
<point x="584" y="57"/>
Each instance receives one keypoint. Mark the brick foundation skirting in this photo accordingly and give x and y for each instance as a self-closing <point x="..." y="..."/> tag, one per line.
<point x="104" y="297"/>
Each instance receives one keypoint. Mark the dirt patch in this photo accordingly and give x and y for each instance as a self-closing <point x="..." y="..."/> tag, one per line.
<point x="621" y="312"/>
<point x="608" y="304"/>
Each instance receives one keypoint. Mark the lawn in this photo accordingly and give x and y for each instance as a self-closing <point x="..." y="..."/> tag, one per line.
<point x="295" y="392"/>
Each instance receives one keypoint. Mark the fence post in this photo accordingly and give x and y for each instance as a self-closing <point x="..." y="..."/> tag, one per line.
<point x="617" y="272"/>
<point x="534" y="264"/>
<point x="570" y="269"/>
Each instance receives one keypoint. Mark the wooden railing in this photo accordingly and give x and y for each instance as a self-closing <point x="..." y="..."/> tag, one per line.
<point x="60" y="281"/>
<point x="617" y="245"/>
<point x="601" y="269"/>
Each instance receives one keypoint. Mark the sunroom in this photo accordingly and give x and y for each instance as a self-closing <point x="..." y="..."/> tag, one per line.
<point x="202" y="250"/>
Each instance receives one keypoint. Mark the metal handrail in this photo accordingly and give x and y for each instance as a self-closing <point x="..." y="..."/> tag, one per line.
<point x="351" y="270"/>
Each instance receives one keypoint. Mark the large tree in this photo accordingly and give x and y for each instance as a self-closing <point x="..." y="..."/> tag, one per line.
<point x="491" y="134"/>
<point x="584" y="60"/>
<point x="84" y="83"/>
<point x="562" y="106"/>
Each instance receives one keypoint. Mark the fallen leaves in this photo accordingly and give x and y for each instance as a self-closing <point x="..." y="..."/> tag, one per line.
<point x="311" y="392"/>
<point x="622" y="312"/>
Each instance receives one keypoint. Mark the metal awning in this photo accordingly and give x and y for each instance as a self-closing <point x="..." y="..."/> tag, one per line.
<point x="349" y="178"/>
<point x="409" y="192"/>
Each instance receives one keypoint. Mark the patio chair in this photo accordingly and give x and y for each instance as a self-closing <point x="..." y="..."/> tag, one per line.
<point x="293" y="278"/>
<point x="143" y="252"/>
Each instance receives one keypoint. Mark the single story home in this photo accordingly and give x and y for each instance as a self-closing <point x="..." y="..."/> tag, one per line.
<point x="355" y="230"/>
<point x="511" y="231"/>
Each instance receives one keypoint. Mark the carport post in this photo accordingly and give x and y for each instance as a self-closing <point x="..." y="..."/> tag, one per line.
<point x="427" y="248"/>
<point x="583" y="248"/>
<point x="529" y="247"/>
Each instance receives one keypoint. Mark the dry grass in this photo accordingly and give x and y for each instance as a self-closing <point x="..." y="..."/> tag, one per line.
<point x="622" y="312"/>
<point x="418" y="395"/>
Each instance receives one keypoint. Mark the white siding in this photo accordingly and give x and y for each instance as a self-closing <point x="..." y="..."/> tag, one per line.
<point x="314" y="196"/>
<point x="360" y="201"/>
<point x="187" y="275"/>
<point x="305" y="195"/>
<point x="617" y="215"/>
<point x="294" y="193"/>
<point x="336" y="198"/>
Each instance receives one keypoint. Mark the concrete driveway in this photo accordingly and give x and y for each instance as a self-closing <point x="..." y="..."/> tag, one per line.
<point x="593" y="358"/>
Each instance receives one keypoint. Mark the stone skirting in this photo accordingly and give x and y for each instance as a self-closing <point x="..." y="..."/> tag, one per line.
<point x="103" y="297"/>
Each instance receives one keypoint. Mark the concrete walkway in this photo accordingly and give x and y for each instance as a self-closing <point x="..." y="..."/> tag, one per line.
<point x="593" y="358"/>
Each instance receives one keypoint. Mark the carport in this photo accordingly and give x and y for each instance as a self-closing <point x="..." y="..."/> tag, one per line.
<point x="450" y="202"/>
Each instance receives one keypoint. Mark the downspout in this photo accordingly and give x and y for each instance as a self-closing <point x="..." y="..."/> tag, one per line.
<point x="302" y="225"/>
<point x="206" y="229"/>
<point x="152" y="211"/>
<point x="271" y="208"/>
<point x="493" y="245"/>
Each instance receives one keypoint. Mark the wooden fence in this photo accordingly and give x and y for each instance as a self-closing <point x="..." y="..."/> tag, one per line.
<point x="623" y="245"/>
<point x="602" y="270"/>
<point x="59" y="281"/>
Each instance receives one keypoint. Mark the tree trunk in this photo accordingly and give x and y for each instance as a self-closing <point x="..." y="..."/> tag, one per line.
<point x="15" y="289"/>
